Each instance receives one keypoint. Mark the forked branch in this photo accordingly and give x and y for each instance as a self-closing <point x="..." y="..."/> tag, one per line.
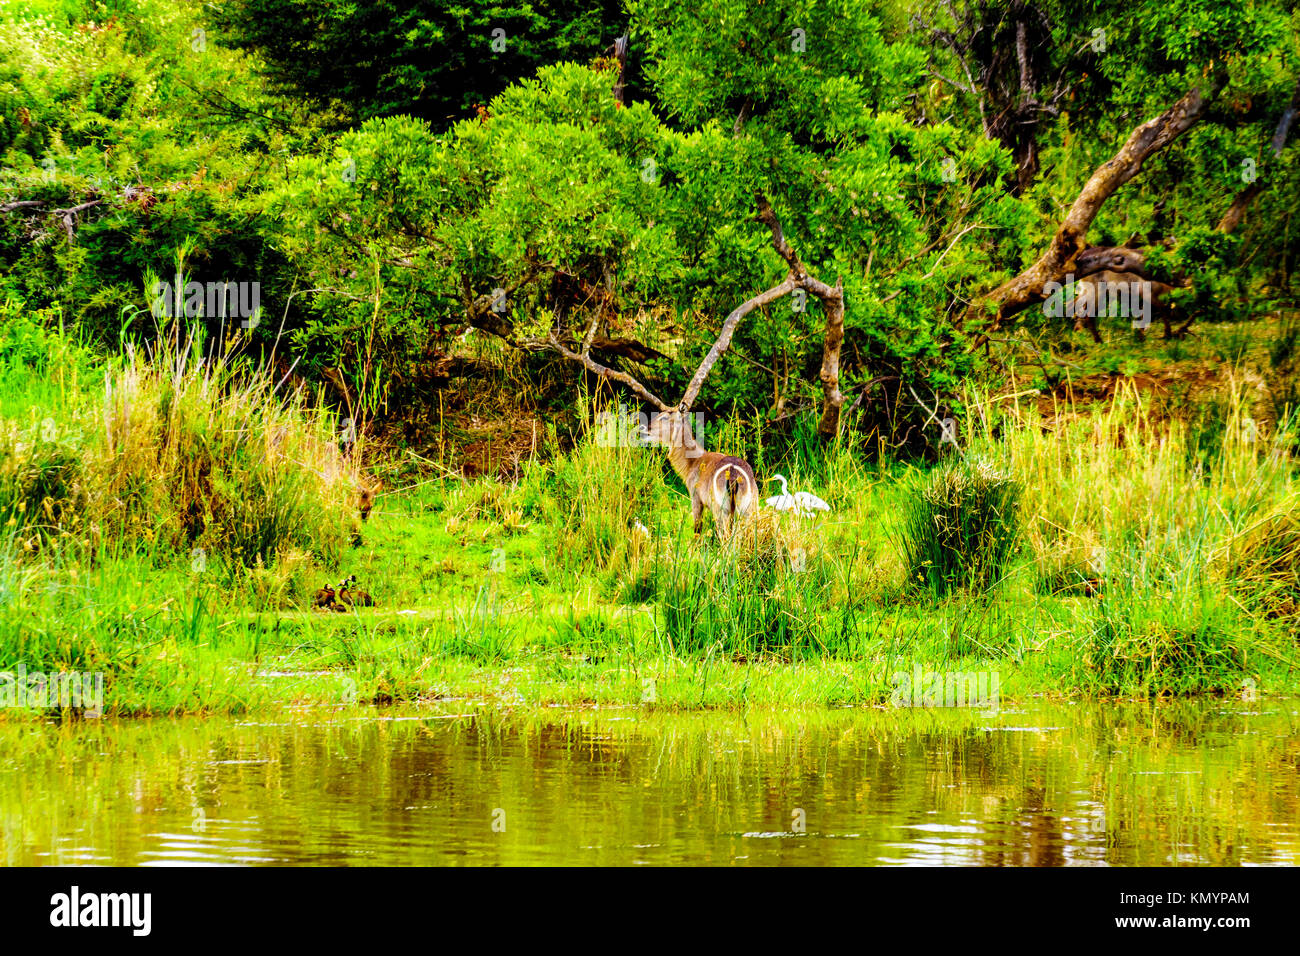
<point x="832" y="298"/>
<point x="586" y="361"/>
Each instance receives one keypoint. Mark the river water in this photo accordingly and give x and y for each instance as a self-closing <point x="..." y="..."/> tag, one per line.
<point x="1210" y="782"/>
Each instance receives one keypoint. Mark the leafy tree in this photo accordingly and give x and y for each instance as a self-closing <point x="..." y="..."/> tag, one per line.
<point x="434" y="59"/>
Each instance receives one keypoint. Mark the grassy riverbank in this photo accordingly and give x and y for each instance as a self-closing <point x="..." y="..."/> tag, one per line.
<point x="168" y="524"/>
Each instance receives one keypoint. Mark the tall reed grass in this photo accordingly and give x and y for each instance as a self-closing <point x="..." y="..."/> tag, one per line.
<point x="199" y="454"/>
<point x="773" y="589"/>
<point x="960" y="526"/>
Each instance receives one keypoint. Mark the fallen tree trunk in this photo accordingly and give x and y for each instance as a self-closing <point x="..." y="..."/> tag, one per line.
<point x="1026" y="289"/>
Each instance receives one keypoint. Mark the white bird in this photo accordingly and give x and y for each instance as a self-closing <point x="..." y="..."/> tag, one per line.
<point x="802" y="503"/>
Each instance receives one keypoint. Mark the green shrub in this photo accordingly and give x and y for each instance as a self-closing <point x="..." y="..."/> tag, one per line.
<point x="772" y="590"/>
<point x="960" y="527"/>
<point x="1166" y="637"/>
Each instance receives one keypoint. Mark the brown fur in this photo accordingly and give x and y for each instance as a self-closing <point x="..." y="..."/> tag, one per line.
<point x="1160" y="305"/>
<point x="723" y="483"/>
<point x="367" y="490"/>
<point x="366" y="493"/>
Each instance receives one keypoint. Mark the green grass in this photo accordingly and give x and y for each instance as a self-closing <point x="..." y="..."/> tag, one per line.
<point x="1088" y="554"/>
<point x="961" y="526"/>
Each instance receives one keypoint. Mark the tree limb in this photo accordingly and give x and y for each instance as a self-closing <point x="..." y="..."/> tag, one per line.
<point x="724" y="337"/>
<point x="832" y="341"/>
<point x="1241" y="202"/>
<point x="1026" y="289"/>
<point x="67" y="216"/>
<point x="768" y="218"/>
<point x="603" y="371"/>
<point x="832" y="298"/>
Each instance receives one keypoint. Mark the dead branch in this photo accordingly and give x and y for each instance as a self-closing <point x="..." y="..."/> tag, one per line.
<point x="591" y="365"/>
<point x="768" y="218"/>
<point x="937" y="262"/>
<point x="68" y="217"/>
<point x="724" y="337"/>
<point x="832" y="298"/>
<point x="1026" y="289"/>
<point x="620" y="51"/>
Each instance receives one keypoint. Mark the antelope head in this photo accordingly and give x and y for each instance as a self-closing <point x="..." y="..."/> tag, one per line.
<point x="672" y="430"/>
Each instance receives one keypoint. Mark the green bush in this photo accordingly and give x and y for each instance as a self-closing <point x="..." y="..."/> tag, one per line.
<point x="1171" y="637"/>
<point x="960" y="528"/>
<point x="772" y="590"/>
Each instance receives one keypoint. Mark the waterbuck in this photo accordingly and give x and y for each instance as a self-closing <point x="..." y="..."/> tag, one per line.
<point x="723" y="483"/>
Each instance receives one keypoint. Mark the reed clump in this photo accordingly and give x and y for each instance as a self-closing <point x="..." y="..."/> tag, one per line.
<point x="774" y="588"/>
<point x="961" y="526"/>
<point x="1262" y="562"/>
<point x="198" y="456"/>
<point x="599" y="492"/>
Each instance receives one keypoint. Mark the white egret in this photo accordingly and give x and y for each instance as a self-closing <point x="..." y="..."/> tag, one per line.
<point x="802" y="503"/>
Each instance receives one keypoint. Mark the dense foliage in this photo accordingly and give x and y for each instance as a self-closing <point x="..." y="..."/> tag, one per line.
<point x="393" y="176"/>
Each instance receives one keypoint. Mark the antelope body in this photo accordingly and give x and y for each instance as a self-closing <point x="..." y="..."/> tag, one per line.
<point x="1108" y="287"/>
<point x="366" y="492"/>
<point x="723" y="483"/>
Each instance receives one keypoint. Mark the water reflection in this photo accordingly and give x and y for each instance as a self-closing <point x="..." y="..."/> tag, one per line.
<point x="1186" y="784"/>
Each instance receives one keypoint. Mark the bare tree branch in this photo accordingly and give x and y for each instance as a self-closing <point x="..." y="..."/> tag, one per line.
<point x="68" y="217"/>
<point x="768" y="218"/>
<point x="603" y="371"/>
<point x="620" y="54"/>
<point x="1024" y="290"/>
<point x="724" y="337"/>
<point x="832" y="298"/>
